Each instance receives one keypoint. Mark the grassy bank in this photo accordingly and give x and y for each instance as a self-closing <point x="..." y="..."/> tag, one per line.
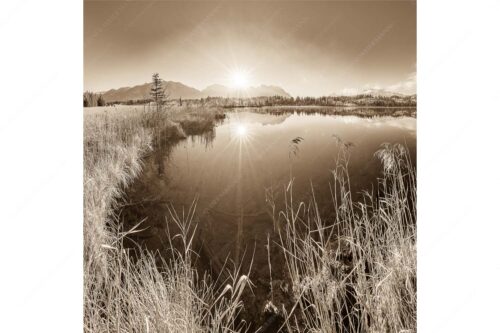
<point x="129" y="292"/>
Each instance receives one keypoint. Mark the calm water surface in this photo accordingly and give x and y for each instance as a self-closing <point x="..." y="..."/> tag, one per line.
<point x="251" y="152"/>
<point x="230" y="170"/>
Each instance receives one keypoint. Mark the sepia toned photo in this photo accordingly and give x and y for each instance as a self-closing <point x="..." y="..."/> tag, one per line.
<point x="249" y="166"/>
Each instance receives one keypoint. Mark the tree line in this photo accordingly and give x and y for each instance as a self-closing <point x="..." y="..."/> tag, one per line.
<point x="269" y="101"/>
<point x="325" y="101"/>
<point x="93" y="99"/>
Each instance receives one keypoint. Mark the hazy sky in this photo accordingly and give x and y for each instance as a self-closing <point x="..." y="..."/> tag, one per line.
<point x="307" y="48"/>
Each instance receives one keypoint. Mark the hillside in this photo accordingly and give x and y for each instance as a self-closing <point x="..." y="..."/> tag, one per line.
<point x="176" y="90"/>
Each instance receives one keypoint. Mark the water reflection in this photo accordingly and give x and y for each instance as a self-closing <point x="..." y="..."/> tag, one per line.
<point x="239" y="170"/>
<point x="229" y="167"/>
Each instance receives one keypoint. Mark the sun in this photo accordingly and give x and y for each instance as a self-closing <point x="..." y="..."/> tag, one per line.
<point x="239" y="79"/>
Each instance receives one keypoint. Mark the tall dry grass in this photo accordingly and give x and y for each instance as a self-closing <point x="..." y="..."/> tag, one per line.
<point x="356" y="273"/>
<point x="131" y="292"/>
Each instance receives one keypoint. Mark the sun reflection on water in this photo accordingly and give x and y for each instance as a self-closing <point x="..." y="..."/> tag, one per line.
<point x="240" y="131"/>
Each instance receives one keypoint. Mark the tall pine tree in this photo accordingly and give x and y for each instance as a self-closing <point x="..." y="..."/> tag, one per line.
<point x="157" y="92"/>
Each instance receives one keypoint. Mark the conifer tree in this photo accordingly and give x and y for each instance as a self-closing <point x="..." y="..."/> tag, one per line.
<point x="157" y="92"/>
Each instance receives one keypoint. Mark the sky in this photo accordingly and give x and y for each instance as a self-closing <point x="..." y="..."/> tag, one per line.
<point x="308" y="48"/>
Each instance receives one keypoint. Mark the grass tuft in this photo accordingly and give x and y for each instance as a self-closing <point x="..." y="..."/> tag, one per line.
<point x="356" y="273"/>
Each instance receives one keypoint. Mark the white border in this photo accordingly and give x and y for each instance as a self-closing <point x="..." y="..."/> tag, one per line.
<point x="41" y="166"/>
<point x="458" y="178"/>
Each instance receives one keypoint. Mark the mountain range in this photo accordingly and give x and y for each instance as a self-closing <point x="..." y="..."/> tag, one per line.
<point x="176" y="90"/>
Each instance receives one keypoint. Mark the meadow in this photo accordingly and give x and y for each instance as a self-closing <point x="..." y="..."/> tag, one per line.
<point x="354" y="274"/>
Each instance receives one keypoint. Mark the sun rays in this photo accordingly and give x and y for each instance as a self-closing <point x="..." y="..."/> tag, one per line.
<point x="239" y="79"/>
<point x="241" y="132"/>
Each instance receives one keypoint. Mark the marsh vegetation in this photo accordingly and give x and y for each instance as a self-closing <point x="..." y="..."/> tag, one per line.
<point x="125" y="291"/>
<point x="325" y="258"/>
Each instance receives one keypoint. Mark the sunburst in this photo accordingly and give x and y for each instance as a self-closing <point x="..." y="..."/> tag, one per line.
<point x="239" y="79"/>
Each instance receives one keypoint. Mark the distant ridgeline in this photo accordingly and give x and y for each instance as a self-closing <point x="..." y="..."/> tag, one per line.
<point x="339" y="101"/>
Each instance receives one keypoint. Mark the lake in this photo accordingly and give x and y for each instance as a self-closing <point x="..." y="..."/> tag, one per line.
<point x="249" y="157"/>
